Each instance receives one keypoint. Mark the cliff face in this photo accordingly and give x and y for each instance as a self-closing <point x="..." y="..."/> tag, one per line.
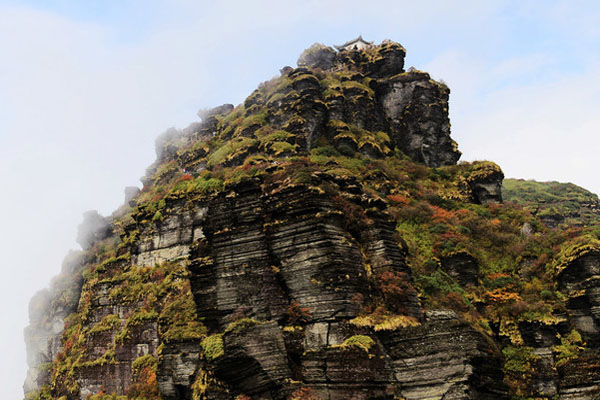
<point x="320" y="242"/>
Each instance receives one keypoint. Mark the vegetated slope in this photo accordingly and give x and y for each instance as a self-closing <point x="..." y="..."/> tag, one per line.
<point x="319" y="241"/>
<point x="556" y="204"/>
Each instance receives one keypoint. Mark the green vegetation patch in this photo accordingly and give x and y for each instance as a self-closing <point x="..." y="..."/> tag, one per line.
<point x="565" y="204"/>
<point x="362" y="342"/>
<point x="569" y="348"/>
<point x="108" y="323"/>
<point x="230" y="150"/>
<point x="241" y="325"/>
<point x="519" y="367"/>
<point x="158" y="295"/>
<point x="213" y="347"/>
<point x="574" y="250"/>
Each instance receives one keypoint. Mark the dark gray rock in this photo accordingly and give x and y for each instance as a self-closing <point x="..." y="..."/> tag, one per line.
<point x="131" y="192"/>
<point x="222" y="110"/>
<point x="580" y="379"/>
<point x="417" y="108"/>
<point x="177" y="369"/>
<point x="445" y="359"/>
<point x="317" y="56"/>
<point x="580" y="280"/>
<point x="463" y="267"/>
<point x="93" y="229"/>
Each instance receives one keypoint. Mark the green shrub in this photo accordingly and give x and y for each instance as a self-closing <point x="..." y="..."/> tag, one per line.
<point x="519" y="360"/>
<point x="361" y="341"/>
<point x="569" y="348"/>
<point x="229" y="150"/>
<point x="328" y="151"/>
<point x="345" y="149"/>
<point x="147" y="361"/>
<point x="213" y="347"/>
<point x="438" y="283"/>
<point x="107" y="323"/>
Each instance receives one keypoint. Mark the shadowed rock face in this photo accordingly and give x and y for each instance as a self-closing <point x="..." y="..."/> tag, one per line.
<point x="485" y="182"/>
<point x="581" y="280"/>
<point x="488" y="190"/>
<point x="581" y="379"/>
<point x="318" y="56"/>
<point x="444" y="358"/>
<point x="409" y="105"/>
<point x="285" y="259"/>
<point x="462" y="267"/>
<point x="418" y="110"/>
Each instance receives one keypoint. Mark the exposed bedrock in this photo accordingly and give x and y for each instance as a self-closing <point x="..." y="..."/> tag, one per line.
<point x="445" y="359"/>
<point x="279" y="273"/>
<point x="418" y="110"/>
<point x="289" y="258"/>
<point x="463" y="267"/>
<point x="580" y="280"/>
<point x="580" y="379"/>
<point x="335" y="95"/>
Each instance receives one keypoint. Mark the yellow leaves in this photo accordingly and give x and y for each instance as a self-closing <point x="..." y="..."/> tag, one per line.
<point x="241" y="325"/>
<point x="385" y="322"/>
<point x="213" y="347"/>
<point x="361" y="341"/>
<point x="200" y="385"/>
<point x="292" y="328"/>
<point x="499" y="296"/>
<point x="510" y="329"/>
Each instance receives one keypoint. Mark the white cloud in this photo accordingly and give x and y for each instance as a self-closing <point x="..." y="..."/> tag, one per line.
<point x="545" y="131"/>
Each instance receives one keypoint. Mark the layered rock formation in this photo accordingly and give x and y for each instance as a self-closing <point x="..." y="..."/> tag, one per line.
<point x="319" y="241"/>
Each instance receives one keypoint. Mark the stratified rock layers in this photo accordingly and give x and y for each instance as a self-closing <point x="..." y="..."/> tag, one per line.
<point x="285" y="259"/>
<point x="264" y="259"/>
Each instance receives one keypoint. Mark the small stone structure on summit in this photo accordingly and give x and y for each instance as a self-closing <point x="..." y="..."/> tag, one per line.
<point x="355" y="44"/>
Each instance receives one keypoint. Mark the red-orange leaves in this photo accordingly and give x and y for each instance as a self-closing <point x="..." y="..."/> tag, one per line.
<point x="397" y="289"/>
<point x="398" y="199"/>
<point x="144" y="385"/>
<point x="298" y="314"/>
<point x="441" y="215"/>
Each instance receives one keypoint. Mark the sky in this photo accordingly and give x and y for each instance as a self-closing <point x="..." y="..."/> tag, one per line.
<point x="86" y="87"/>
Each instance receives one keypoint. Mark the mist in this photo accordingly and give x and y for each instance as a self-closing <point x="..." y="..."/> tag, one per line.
<point x="86" y="89"/>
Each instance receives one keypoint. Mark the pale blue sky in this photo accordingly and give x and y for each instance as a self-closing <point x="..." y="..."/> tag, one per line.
<point x="86" y="86"/>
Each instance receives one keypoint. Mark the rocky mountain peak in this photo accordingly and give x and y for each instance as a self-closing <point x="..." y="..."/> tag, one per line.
<point x="320" y="241"/>
<point x="354" y="100"/>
